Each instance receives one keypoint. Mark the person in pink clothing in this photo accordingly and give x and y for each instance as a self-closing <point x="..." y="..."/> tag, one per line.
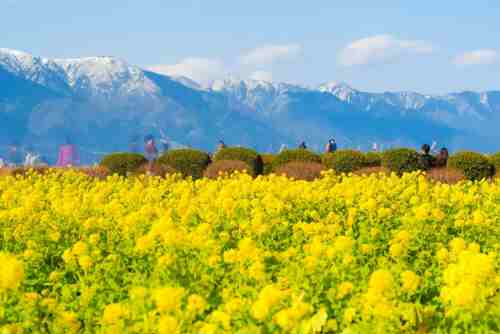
<point x="68" y="155"/>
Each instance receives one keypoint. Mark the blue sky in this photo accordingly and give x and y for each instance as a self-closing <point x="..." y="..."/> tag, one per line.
<point x="426" y="46"/>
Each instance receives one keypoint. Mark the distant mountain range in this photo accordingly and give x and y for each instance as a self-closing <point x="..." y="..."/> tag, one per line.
<point x="101" y="103"/>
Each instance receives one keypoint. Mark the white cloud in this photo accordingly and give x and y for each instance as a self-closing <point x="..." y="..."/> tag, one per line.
<point x="381" y="49"/>
<point x="477" y="57"/>
<point x="270" y="53"/>
<point x="262" y="76"/>
<point x="201" y="70"/>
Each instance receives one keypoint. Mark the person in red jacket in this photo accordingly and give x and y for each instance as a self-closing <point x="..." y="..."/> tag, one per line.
<point x="68" y="155"/>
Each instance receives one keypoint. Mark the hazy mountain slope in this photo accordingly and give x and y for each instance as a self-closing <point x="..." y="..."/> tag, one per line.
<point x="18" y="98"/>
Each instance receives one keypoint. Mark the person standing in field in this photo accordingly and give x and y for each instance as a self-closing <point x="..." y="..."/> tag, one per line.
<point x="150" y="150"/>
<point x="68" y="155"/>
<point x="434" y="147"/>
<point x="427" y="160"/>
<point x="31" y="159"/>
<point x="220" y="146"/>
<point x="331" y="146"/>
<point x="303" y="145"/>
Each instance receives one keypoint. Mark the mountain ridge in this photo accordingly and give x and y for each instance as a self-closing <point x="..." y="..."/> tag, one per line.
<point x="103" y="101"/>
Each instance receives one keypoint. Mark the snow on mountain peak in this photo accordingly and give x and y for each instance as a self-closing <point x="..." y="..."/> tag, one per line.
<point x="344" y="92"/>
<point x="332" y="85"/>
<point x="91" y="76"/>
<point x="235" y="84"/>
<point x="39" y="70"/>
<point x="341" y="90"/>
<point x="106" y="75"/>
<point x="257" y="94"/>
<point x="14" y="53"/>
<point x="18" y="62"/>
<point x="109" y="77"/>
<point x="407" y="100"/>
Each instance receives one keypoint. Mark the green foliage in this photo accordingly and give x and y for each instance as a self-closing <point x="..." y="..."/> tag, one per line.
<point x="402" y="160"/>
<point x="475" y="166"/>
<point x="295" y="155"/>
<point x="123" y="163"/>
<point x="188" y="162"/>
<point x="247" y="155"/>
<point x="225" y="167"/>
<point x="344" y="161"/>
<point x="373" y="159"/>
<point x="267" y="162"/>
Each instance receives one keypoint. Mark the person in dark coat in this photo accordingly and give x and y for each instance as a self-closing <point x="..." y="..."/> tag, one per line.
<point x="331" y="146"/>
<point x="442" y="157"/>
<point x="427" y="160"/>
<point x="220" y="146"/>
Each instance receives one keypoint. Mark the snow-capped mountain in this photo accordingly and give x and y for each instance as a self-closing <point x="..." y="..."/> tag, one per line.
<point x="340" y="89"/>
<point x="405" y="100"/>
<point x="102" y="102"/>
<point x="257" y="95"/>
<point x="38" y="70"/>
<point x="105" y="76"/>
<point x="243" y="87"/>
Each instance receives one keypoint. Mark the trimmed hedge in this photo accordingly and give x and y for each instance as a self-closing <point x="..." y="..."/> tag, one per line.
<point x="475" y="166"/>
<point x="225" y="168"/>
<point x="267" y="163"/>
<point x="402" y="160"/>
<point x="495" y="160"/>
<point x="247" y="155"/>
<point x="123" y="163"/>
<point x="188" y="162"/>
<point x="301" y="170"/>
<point x="373" y="159"/>
<point x="295" y="155"/>
<point x="445" y="175"/>
<point x="344" y="161"/>
<point x="99" y="172"/>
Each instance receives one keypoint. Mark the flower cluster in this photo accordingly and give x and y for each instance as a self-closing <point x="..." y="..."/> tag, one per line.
<point x="341" y="254"/>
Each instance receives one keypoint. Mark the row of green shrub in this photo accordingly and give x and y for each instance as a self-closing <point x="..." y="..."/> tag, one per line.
<point x="194" y="163"/>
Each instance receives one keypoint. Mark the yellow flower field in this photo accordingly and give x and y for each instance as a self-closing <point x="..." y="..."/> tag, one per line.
<point x="356" y="254"/>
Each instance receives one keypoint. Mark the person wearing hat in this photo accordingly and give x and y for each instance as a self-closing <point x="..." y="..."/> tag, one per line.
<point x="331" y="146"/>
